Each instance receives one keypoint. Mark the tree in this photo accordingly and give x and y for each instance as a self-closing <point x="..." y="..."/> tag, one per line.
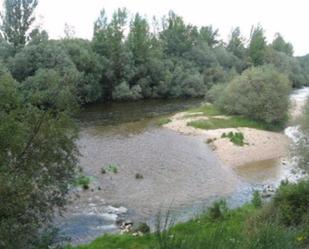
<point x="257" y="46"/>
<point x="209" y="35"/>
<point x="279" y="44"/>
<point x="236" y="44"/>
<point x="109" y="43"/>
<point x="17" y="20"/>
<point x="38" y="158"/>
<point x="260" y="93"/>
<point x="44" y="55"/>
<point x="88" y="64"/>
<point x="177" y="37"/>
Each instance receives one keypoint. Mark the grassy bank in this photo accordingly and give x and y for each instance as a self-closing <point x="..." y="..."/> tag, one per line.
<point x="233" y="121"/>
<point x="281" y="224"/>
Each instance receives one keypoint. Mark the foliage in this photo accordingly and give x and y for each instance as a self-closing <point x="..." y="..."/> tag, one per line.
<point x="256" y="199"/>
<point x="259" y="93"/>
<point x="217" y="210"/>
<point x="257" y="46"/>
<point x="281" y="45"/>
<point x="292" y="203"/>
<point x="82" y="181"/>
<point x="38" y="158"/>
<point x="17" y="20"/>
<point x="164" y="121"/>
<point x="231" y="122"/>
<point x="236" y="138"/>
<point x="112" y="168"/>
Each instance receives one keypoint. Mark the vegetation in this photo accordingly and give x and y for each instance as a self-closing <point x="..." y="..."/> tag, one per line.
<point x="164" y="121"/>
<point x="112" y="168"/>
<point x="83" y="181"/>
<point x="38" y="159"/>
<point x="261" y="94"/>
<point x="232" y="122"/>
<point x="236" y="138"/>
<point x="256" y="199"/>
<point x="175" y="60"/>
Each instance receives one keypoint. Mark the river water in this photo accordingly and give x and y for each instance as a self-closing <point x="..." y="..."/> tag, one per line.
<point x="180" y="173"/>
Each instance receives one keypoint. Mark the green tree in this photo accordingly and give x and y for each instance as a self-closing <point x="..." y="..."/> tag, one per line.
<point x="87" y="62"/>
<point x="38" y="158"/>
<point x="281" y="45"/>
<point x="109" y="43"/>
<point x="209" y="35"/>
<point x="44" y="55"/>
<point x="257" y="46"/>
<point x="177" y="37"/>
<point x="260" y="93"/>
<point x="237" y="47"/>
<point x="17" y="20"/>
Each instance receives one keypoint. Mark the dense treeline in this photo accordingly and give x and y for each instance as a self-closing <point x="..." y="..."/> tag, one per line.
<point x="129" y="58"/>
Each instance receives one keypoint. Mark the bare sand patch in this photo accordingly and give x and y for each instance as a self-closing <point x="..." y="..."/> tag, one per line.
<point x="260" y="145"/>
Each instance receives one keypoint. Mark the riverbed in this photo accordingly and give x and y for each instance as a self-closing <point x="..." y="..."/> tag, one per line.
<point x="180" y="173"/>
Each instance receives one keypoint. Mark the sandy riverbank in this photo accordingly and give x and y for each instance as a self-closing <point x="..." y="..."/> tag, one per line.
<point x="260" y="145"/>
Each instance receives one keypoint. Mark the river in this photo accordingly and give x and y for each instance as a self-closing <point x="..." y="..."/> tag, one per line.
<point x="180" y="173"/>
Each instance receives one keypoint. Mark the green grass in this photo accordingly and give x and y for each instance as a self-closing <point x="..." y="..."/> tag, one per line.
<point x="232" y="122"/>
<point x="164" y="121"/>
<point x="82" y="181"/>
<point x="206" y="109"/>
<point x="112" y="168"/>
<point x="236" y="138"/>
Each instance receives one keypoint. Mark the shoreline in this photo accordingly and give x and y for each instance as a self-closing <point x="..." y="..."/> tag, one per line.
<point x="259" y="145"/>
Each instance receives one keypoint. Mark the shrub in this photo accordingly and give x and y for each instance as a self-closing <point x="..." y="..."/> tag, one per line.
<point x="256" y="199"/>
<point x="292" y="202"/>
<point x="112" y="168"/>
<point x="272" y="236"/>
<point x="260" y="93"/>
<point x="83" y="181"/>
<point x="164" y="121"/>
<point x="236" y="138"/>
<point x="217" y="210"/>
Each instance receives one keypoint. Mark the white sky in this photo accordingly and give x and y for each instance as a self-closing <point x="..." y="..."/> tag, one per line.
<point x="288" y="17"/>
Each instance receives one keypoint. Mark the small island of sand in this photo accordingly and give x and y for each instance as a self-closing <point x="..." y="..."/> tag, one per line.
<point x="259" y="144"/>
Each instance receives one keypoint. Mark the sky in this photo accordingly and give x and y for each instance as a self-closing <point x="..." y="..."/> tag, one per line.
<point x="290" y="18"/>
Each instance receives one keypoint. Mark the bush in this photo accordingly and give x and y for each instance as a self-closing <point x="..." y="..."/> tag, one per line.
<point x="256" y="199"/>
<point x="292" y="202"/>
<point x="83" y="181"/>
<point x="272" y="236"/>
<point x="112" y="168"/>
<point x="124" y="92"/>
<point x="236" y="138"/>
<point x="260" y="93"/>
<point x="217" y="210"/>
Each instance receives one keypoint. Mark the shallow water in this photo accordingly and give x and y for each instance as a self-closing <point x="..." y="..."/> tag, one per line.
<point x="180" y="173"/>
